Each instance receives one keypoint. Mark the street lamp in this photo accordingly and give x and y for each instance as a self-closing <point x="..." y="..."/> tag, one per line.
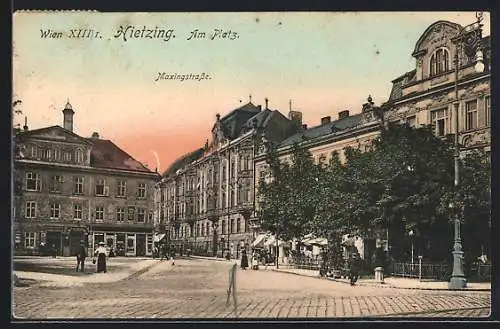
<point x="411" y="240"/>
<point x="470" y="37"/>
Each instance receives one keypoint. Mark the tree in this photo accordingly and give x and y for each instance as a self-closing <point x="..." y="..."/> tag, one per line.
<point x="285" y="201"/>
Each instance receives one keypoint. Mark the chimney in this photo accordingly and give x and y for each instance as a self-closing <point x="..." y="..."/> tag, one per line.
<point x="326" y="120"/>
<point x="95" y="135"/>
<point x="25" y="124"/>
<point x="343" y="114"/>
<point x="68" y="117"/>
<point x="267" y="103"/>
<point x="295" y="116"/>
<point x="304" y="127"/>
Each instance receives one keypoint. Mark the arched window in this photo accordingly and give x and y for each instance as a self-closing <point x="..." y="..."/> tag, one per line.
<point x="439" y="61"/>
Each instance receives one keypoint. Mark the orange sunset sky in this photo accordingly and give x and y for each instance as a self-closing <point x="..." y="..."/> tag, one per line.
<point x="324" y="62"/>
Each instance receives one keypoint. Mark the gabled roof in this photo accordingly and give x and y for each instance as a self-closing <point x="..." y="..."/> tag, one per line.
<point x="183" y="161"/>
<point x="105" y="154"/>
<point x="52" y="133"/>
<point x="322" y="130"/>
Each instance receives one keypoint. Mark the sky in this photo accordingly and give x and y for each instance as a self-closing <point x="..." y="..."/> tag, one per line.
<point x="323" y="62"/>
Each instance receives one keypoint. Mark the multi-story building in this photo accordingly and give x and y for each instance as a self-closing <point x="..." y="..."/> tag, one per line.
<point x="356" y="131"/>
<point x="205" y="200"/>
<point x="427" y="94"/>
<point x="71" y="188"/>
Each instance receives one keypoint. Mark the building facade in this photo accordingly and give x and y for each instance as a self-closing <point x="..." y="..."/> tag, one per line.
<point x="205" y="200"/>
<point x="355" y="131"/>
<point x="70" y="188"/>
<point x="427" y="95"/>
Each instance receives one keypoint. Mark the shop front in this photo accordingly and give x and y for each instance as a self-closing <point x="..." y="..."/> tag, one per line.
<point x="128" y="244"/>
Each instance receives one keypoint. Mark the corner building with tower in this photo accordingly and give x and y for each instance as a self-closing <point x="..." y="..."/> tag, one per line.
<point x="69" y="188"/>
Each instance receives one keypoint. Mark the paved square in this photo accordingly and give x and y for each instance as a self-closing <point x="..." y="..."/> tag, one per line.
<point x="196" y="288"/>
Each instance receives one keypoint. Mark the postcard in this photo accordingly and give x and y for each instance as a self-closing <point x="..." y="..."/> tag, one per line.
<point x="251" y="165"/>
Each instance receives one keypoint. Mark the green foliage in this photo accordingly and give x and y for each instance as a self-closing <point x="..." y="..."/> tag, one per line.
<point x="406" y="180"/>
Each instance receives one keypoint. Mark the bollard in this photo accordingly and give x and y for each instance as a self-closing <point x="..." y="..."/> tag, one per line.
<point x="379" y="274"/>
<point x="419" y="268"/>
<point x="232" y="288"/>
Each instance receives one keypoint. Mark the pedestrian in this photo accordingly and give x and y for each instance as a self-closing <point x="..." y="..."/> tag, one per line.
<point x="354" y="268"/>
<point x="54" y="251"/>
<point x="244" y="259"/>
<point x="255" y="261"/>
<point x="80" y="257"/>
<point x="172" y="260"/>
<point x="101" y="258"/>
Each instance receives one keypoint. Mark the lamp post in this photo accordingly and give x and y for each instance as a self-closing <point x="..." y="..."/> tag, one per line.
<point x="411" y="240"/>
<point x="468" y="37"/>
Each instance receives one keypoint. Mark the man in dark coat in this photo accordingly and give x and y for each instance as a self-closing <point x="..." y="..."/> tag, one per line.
<point x="80" y="257"/>
<point x="354" y="268"/>
<point x="244" y="259"/>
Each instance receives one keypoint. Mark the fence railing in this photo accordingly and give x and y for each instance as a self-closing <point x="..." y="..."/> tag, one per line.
<point x="304" y="263"/>
<point x="422" y="271"/>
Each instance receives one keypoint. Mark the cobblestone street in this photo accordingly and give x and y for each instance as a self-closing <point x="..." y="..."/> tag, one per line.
<point x="196" y="288"/>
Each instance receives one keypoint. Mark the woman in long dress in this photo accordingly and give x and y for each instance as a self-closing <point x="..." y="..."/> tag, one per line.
<point x="101" y="258"/>
<point x="244" y="259"/>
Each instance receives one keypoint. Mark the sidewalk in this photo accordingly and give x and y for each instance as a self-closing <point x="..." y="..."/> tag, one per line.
<point x="392" y="282"/>
<point x="126" y="269"/>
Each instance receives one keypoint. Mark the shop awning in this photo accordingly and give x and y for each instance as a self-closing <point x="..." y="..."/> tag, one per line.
<point x="271" y="241"/>
<point x="259" y="239"/>
<point x="158" y="238"/>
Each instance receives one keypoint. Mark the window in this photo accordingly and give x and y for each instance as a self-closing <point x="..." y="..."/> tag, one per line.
<point x="55" y="210"/>
<point x="487" y="108"/>
<point x="30" y="209"/>
<point x="99" y="213"/>
<point x="471" y="115"/>
<point x="120" y="214"/>
<point x="29" y="239"/>
<point x="439" y="62"/>
<point x="100" y="188"/>
<point x="231" y="225"/>
<point x="439" y="121"/>
<point x="67" y="156"/>
<point x="238" y="225"/>
<point x="78" y="185"/>
<point x="55" y="184"/>
<point x="150" y="219"/>
<point x="224" y="228"/>
<point x="141" y="215"/>
<point x="122" y="188"/>
<point x="141" y="190"/>
<point x="411" y="121"/>
<point x="77" y="211"/>
<point x="33" y="181"/>
<point x="79" y="156"/>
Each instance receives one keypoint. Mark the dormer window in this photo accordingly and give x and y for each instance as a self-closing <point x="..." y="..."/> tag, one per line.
<point x="439" y="62"/>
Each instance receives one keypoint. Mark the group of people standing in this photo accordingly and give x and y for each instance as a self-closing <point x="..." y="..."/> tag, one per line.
<point x="254" y="260"/>
<point x="100" y="253"/>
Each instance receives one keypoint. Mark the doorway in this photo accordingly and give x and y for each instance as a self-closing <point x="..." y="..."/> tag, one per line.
<point x="53" y="241"/>
<point x="130" y="245"/>
<point x="141" y="245"/>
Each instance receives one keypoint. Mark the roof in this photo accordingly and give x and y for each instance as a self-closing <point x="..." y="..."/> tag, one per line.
<point x="322" y="130"/>
<point x="105" y="154"/>
<point x="183" y="161"/>
<point x="233" y="122"/>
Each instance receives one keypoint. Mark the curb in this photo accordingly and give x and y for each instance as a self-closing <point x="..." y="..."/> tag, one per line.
<point x="384" y="285"/>
<point x="210" y="258"/>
